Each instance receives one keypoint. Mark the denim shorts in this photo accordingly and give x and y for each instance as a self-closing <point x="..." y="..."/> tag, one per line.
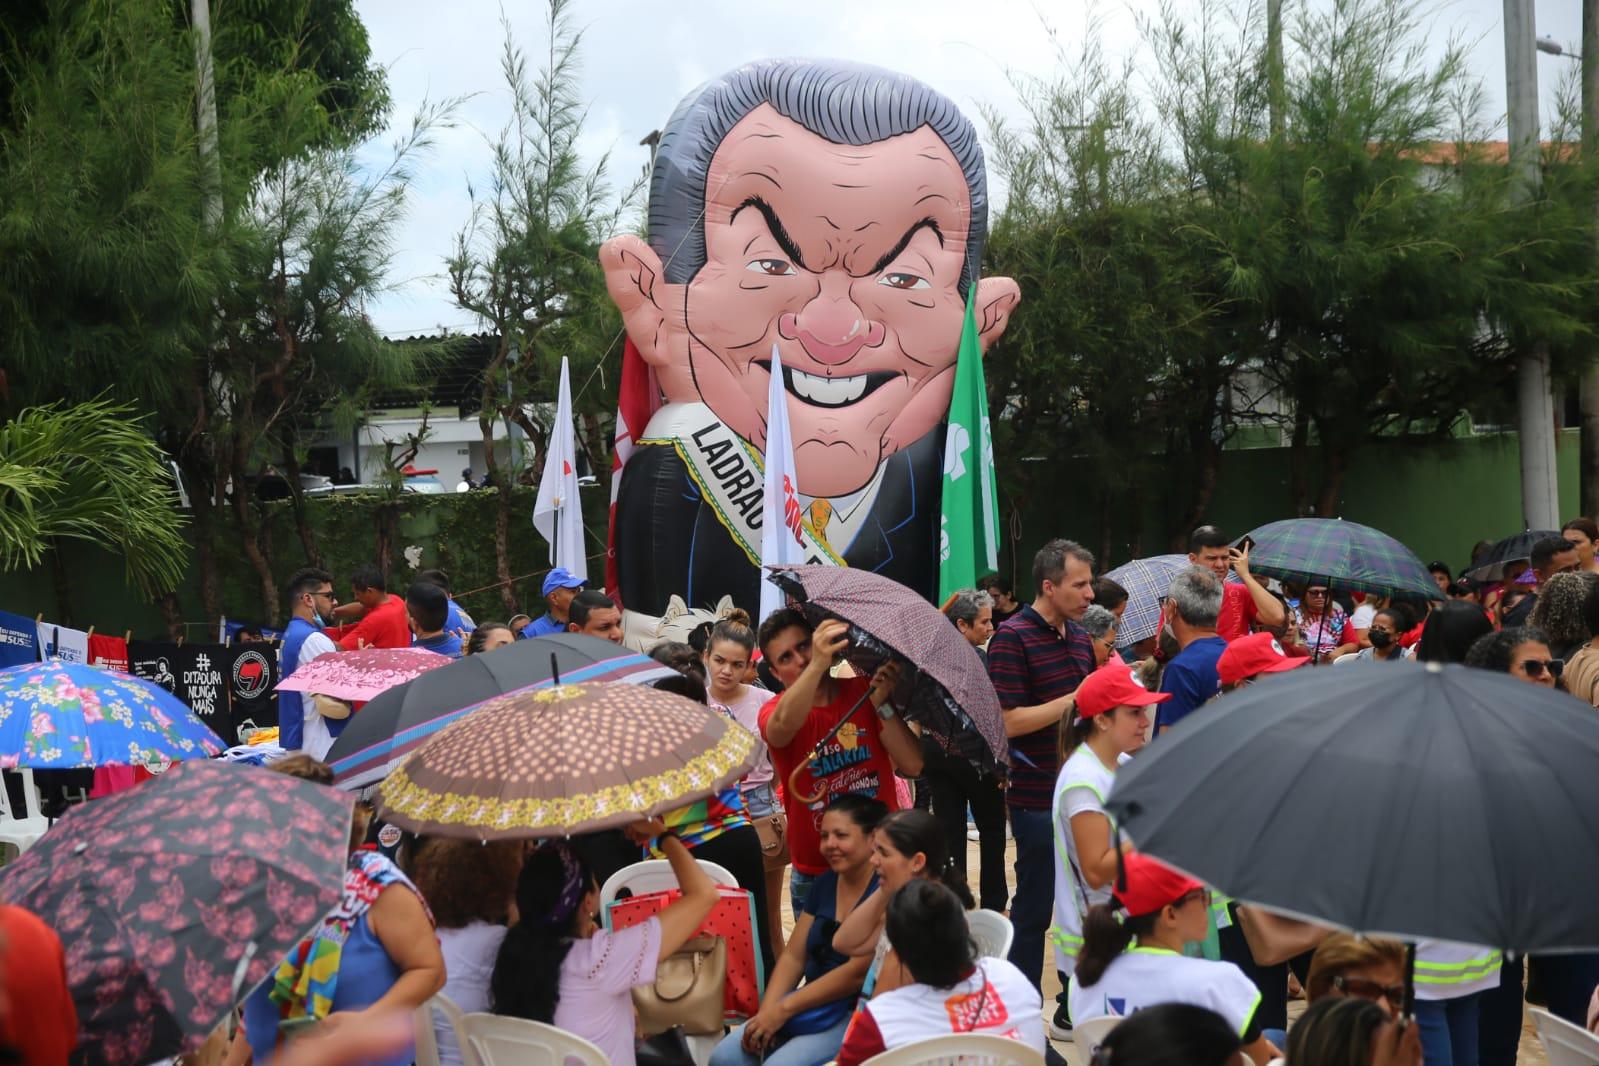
<point x="759" y="800"/>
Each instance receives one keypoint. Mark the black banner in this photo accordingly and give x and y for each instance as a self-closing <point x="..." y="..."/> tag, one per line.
<point x="229" y="689"/>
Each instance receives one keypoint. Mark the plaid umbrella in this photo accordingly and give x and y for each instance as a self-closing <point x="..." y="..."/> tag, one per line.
<point x="361" y="675"/>
<point x="59" y="716"/>
<point x="1516" y="548"/>
<point x="1347" y="555"/>
<point x="400" y="720"/>
<point x="946" y="689"/>
<point x="175" y="898"/>
<point x="554" y="762"/>
<point x="1146" y="581"/>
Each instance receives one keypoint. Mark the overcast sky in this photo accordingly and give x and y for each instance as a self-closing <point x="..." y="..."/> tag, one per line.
<point x="641" y="58"/>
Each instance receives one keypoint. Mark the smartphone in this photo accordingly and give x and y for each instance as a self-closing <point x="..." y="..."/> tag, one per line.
<point x="1247" y="544"/>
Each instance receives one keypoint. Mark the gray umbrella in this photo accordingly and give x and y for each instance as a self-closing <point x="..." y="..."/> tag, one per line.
<point x="1418" y="801"/>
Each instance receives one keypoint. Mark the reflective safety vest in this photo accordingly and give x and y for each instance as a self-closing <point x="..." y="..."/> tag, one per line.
<point x="1448" y="970"/>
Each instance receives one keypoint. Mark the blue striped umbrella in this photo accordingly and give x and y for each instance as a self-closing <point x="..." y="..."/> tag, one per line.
<point x="1146" y="581"/>
<point x="62" y="716"/>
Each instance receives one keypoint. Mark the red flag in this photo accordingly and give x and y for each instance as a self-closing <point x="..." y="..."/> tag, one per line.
<point x="638" y="397"/>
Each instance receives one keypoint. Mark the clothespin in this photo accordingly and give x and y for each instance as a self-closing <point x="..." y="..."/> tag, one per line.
<point x="90" y="635"/>
<point x="127" y="636"/>
<point x="38" y="619"/>
<point x="181" y="637"/>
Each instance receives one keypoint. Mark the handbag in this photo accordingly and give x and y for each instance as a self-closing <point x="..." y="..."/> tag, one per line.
<point x="773" y="831"/>
<point x="687" y="990"/>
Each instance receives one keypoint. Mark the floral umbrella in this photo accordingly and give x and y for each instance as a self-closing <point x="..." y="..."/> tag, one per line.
<point x="57" y="716"/>
<point x="175" y="898"/>
<point x="359" y="675"/>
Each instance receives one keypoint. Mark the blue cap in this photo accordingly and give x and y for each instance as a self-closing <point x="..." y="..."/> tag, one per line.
<point x="561" y="578"/>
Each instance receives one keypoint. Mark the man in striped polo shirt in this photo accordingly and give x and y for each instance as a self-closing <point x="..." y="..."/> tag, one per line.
<point x="1036" y="660"/>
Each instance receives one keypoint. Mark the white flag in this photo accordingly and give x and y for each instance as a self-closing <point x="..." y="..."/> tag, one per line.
<point x="558" y="513"/>
<point x="780" y="506"/>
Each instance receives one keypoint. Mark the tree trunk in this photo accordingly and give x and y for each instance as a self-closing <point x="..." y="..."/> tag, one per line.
<point x="302" y="525"/>
<point x="385" y="521"/>
<point x="1105" y="502"/>
<point x="202" y="487"/>
<point x="1334" y="465"/>
<point x="172" y="615"/>
<point x="1298" y="463"/>
<point x="598" y="447"/>
<point x="502" y="543"/>
<point x="248" y="528"/>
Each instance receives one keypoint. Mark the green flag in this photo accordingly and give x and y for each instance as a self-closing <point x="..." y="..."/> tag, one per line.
<point x="969" y="523"/>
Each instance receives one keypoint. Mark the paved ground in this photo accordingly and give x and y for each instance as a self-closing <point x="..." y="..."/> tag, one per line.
<point x="1531" y="1053"/>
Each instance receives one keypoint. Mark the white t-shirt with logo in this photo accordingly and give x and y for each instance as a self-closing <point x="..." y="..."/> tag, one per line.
<point x="995" y="1000"/>
<point x="1083" y="784"/>
<point x="1143" y="977"/>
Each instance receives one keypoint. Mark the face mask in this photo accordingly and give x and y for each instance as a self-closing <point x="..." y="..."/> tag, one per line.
<point x="1168" y="643"/>
<point x="1380" y="638"/>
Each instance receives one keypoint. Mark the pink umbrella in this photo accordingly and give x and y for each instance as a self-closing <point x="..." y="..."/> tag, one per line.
<point x="357" y="676"/>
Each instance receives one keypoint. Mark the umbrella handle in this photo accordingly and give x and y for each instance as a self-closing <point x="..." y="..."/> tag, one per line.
<point x="816" y="749"/>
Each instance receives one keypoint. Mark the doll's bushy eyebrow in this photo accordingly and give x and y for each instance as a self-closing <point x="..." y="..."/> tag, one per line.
<point x="773" y="223"/>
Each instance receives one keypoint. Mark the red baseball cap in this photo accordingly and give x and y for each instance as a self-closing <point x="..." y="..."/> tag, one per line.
<point x="1151" y="885"/>
<point x="1114" y="685"/>
<point x="1251" y="656"/>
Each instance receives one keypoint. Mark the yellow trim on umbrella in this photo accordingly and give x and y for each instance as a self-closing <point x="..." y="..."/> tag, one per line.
<point x="404" y="797"/>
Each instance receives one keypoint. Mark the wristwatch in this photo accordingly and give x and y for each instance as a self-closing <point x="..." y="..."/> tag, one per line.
<point x="885" y="710"/>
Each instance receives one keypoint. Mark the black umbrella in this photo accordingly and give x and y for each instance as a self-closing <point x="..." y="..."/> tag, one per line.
<point x="1418" y="801"/>
<point x="1516" y="548"/>
<point x="398" y="721"/>
<point x="175" y="898"/>
<point x="944" y="688"/>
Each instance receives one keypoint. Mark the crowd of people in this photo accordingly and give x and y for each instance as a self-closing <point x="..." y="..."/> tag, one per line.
<point x="864" y="825"/>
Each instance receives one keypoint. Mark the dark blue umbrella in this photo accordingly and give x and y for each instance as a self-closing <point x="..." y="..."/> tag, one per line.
<point x="1417" y="801"/>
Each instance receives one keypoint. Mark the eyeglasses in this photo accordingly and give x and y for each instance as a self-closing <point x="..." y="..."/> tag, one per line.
<point x="329" y="594"/>
<point x="1536" y="667"/>
<point x="1361" y="988"/>
<point x="1188" y="897"/>
<point x="1315" y="592"/>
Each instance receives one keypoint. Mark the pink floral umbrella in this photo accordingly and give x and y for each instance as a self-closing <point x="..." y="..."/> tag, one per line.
<point x="174" y="899"/>
<point x="359" y="675"/>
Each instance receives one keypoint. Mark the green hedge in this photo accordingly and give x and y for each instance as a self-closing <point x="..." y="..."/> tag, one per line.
<point x="455" y="532"/>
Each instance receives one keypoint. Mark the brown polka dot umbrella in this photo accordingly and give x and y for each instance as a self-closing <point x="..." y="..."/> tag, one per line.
<point x="565" y="760"/>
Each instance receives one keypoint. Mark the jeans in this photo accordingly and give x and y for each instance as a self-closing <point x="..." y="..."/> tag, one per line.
<point x="1033" y="906"/>
<point x="760" y="801"/>
<point x="812" y="1049"/>
<point x="1449" y="1030"/>
<point x="954" y="784"/>
<point x="799" y="888"/>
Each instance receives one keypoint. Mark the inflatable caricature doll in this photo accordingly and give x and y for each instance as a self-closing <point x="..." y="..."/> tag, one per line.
<point x="836" y="212"/>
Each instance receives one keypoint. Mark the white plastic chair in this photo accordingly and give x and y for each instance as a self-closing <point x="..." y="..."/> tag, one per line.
<point x="992" y="931"/>
<point x="1565" y="1044"/>
<point x="502" y="1041"/>
<point x="655" y="875"/>
<point x="440" y="1010"/>
<point x="1090" y="1034"/>
<point x="22" y="833"/>
<point x="965" y="1048"/>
